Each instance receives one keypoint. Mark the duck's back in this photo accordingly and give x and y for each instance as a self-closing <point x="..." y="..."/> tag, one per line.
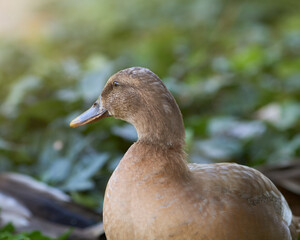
<point x="241" y="202"/>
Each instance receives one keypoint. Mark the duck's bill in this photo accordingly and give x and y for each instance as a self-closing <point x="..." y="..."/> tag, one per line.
<point x="94" y="114"/>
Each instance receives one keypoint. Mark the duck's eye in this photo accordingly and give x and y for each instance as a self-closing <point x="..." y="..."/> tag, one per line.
<point x="116" y="84"/>
<point x="95" y="104"/>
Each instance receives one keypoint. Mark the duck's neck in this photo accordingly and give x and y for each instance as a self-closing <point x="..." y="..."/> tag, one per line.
<point x="162" y="126"/>
<point x="160" y="140"/>
<point x="152" y="161"/>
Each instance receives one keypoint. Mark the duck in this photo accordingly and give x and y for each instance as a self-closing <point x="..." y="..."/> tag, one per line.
<point x="31" y="205"/>
<point x="286" y="177"/>
<point x="155" y="194"/>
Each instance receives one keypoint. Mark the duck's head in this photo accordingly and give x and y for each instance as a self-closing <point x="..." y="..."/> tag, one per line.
<point x="138" y="96"/>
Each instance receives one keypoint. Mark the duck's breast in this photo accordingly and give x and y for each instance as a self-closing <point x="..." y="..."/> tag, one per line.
<point x="218" y="202"/>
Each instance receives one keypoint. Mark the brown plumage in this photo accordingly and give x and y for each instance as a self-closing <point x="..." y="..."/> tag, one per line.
<point x="286" y="177"/>
<point x="155" y="194"/>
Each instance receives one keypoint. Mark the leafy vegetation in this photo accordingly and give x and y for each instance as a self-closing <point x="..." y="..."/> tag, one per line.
<point x="233" y="66"/>
<point x="7" y="233"/>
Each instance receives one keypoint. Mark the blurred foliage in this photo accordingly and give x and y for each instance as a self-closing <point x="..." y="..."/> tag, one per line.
<point x="233" y="66"/>
<point x="7" y="233"/>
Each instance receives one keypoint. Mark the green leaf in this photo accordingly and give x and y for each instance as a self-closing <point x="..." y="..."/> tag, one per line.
<point x="7" y="228"/>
